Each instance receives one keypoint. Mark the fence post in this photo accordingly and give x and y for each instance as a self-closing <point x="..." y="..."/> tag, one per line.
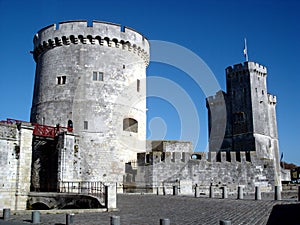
<point x="164" y="221"/>
<point x="6" y="214"/>
<point x="240" y="192"/>
<point x="257" y="193"/>
<point x="111" y="196"/>
<point x="175" y="190"/>
<point x="35" y="217"/>
<point x="211" y="192"/>
<point x="224" y="192"/>
<point x="115" y="220"/>
<point x="197" y="191"/>
<point x="70" y="219"/>
<point x="277" y="193"/>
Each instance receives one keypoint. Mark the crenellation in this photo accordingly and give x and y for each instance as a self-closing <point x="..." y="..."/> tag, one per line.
<point x="106" y="31"/>
<point x="89" y="75"/>
<point x="272" y="100"/>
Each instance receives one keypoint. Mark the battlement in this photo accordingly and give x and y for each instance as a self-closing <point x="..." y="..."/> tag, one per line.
<point x="98" y="33"/>
<point x="217" y="99"/>
<point x="272" y="99"/>
<point x="252" y="66"/>
<point x="169" y="146"/>
<point x="231" y="157"/>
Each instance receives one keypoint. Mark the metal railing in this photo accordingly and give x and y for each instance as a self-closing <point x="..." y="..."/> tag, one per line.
<point x="39" y="129"/>
<point x="94" y="188"/>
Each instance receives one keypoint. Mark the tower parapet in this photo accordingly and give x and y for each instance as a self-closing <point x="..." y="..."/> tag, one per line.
<point x="99" y="33"/>
<point x="272" y="99"/>
<point x="243" y="67"/>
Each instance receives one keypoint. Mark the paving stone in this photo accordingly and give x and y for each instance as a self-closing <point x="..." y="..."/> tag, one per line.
<point x="149" y="209"/>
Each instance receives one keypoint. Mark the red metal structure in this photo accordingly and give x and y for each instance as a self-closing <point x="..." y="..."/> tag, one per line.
<point x="39" y="130"/>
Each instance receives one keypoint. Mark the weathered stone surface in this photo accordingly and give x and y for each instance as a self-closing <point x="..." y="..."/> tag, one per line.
<point x="15" y="164"/>
<point x="95" y="77"/>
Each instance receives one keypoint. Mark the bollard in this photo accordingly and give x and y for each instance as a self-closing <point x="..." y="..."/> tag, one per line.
<point x="240" y="193"/>
<point x="257" y="193"/>
<point x="197" y="192"/>
<point x="175" y="190"/>
<point x="164" y="221"/>
<point x="115" y="220"/>
<point x="277" y="193"/>
<point x="69" y="219"/>
<point x="6" y="214"/>
<point x="35" y="217"/>
<point x="211" y="192"/>
<point x="164" y="190"/>
<point x="224" y="192"/>
<point x="225" y="222"/>
<point x="298" y="193"/>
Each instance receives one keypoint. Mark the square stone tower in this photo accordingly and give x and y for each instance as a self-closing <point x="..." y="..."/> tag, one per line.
<point x="250" y="120"/>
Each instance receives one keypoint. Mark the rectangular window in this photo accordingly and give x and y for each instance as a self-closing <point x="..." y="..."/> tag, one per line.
<point x="100" y="76"/>
<point x="97" y="76"/>
<point x="85" y="125"/>
<point x="61" y="80"/>
<point x="138" y="84"/>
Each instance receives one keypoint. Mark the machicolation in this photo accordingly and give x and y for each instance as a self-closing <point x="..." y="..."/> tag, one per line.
<point x="100" y="33"/>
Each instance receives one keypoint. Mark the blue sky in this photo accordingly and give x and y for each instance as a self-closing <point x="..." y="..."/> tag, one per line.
<point x="214" y="30"/>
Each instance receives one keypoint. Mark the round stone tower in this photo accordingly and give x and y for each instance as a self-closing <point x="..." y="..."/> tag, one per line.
<point x="92" y="77"/>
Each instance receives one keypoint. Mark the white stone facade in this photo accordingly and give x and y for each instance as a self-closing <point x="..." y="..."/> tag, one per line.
<point x="15" y="164"/>
<point x="95" y="77"/>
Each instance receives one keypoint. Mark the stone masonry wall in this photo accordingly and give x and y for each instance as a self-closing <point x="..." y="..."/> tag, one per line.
<point x="93" y="75"/>
<point x="168" y="168"/>
<point x="15" y="161"/>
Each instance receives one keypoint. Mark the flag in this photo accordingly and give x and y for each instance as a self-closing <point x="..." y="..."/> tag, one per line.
<point x="246" y="50"/>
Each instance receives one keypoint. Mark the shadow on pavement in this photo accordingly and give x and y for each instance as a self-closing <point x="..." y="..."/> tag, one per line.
<point x="285" y="215"/>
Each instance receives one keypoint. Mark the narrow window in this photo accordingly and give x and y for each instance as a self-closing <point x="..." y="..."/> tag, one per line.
<point x="100" y="76"/>
<point x="85" y="125"/>
<point x="138" y="83"/>
<point x="262" y="92"/>
<point x="95" y="75"/>
<point x="58" y="80"/>
<point x="123" y="66"/>
<point x="63" y="79"/>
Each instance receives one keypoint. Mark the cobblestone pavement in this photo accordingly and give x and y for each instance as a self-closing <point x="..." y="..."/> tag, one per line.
<point x="149" y="209"/>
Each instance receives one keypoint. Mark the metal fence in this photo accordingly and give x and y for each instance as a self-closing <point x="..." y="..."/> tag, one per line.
<point x="94" y="188"/>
